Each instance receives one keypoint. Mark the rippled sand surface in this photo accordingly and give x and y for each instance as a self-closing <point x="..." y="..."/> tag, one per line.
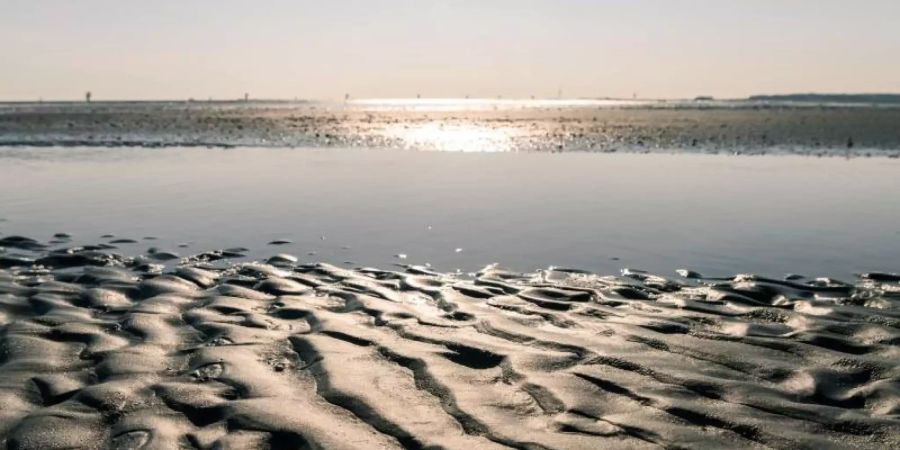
<point x="489" y="126"/>
<point x="99" y="349"/>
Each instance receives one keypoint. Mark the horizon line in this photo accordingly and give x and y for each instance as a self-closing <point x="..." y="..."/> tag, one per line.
<point x="349" y="99"/>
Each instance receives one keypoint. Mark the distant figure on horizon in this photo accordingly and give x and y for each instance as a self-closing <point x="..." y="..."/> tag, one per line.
<point x="87" y="96"/>
<point x="346" y="97"/>
<point x="246" y="97"/>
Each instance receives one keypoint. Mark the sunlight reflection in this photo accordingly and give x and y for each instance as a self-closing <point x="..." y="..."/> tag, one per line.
<point x="453" y="137"/>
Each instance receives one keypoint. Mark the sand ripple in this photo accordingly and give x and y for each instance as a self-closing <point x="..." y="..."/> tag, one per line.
<point x="100" y="350"/>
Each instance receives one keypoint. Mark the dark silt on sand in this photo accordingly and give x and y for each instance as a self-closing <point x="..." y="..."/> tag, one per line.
<point x="511" y="125"/>
<point x="174" y="297"/>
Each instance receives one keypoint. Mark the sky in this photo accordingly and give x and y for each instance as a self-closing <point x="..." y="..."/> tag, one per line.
<point x="178" y="49"/>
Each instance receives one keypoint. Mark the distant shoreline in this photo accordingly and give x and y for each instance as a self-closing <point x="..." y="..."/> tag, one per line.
<point x="830" y="98"/>
<point x="816" y="98"/>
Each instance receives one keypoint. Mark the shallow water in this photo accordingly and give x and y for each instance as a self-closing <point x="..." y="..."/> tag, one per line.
<point x="719" y="215"/>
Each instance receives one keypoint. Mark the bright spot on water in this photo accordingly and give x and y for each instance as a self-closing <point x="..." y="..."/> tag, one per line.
<point x="446" y="137"/>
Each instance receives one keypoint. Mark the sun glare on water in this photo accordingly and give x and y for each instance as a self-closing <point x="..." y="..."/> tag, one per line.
<point x="444" y="137"/>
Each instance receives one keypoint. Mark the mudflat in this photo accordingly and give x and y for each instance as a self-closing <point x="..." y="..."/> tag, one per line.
<point x="675" y="126"/>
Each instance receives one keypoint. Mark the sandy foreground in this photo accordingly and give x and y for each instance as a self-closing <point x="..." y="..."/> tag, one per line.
<point x="101" y="350"/>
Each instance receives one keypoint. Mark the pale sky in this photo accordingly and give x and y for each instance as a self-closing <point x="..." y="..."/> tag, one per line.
<point x="175" y="49"/>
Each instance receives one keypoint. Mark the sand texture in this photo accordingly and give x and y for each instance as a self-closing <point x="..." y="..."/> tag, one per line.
<point x="100" y="350"/>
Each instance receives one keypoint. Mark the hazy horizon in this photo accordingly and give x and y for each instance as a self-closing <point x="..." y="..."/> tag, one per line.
<point x="400" y="49"/>
<point x="404" y="101"/>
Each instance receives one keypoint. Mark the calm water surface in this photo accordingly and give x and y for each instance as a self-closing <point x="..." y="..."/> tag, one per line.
<point x="601" y="212"/>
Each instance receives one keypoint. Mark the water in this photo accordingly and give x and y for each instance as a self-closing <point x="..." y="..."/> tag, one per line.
<point x="713" y="213"/>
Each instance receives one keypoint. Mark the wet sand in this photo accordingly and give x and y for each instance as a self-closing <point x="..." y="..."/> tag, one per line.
<point x="102" y="349"/>
<point x="730" y="127"/>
